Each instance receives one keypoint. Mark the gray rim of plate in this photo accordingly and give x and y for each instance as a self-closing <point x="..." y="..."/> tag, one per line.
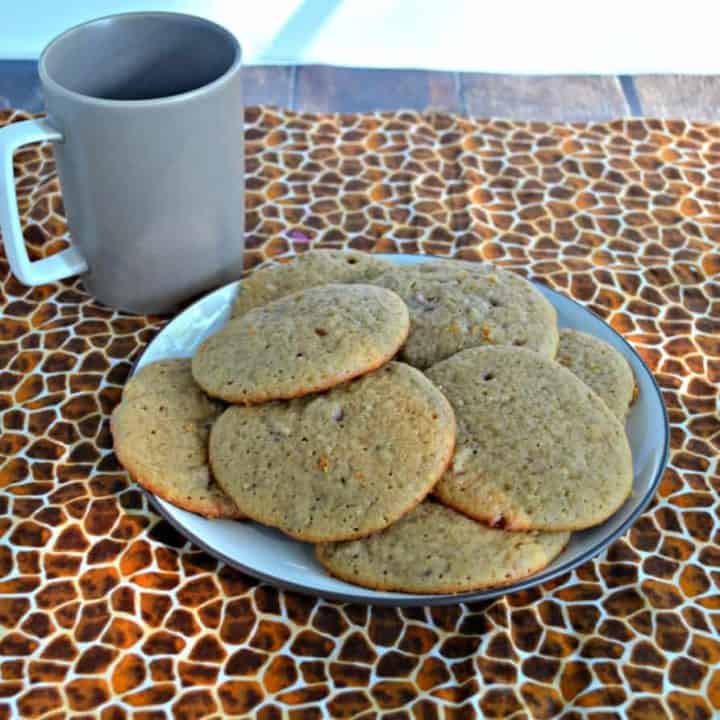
<point x="446" y="599"/>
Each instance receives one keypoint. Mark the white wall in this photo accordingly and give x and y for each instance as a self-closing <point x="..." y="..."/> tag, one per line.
<point x="527" y="36"/>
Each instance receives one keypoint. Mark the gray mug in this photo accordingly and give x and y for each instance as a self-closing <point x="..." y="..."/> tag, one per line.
<point x="146" y="115"/>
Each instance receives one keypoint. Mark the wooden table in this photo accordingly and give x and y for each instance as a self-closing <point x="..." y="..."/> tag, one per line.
<point x="328" y="88"/>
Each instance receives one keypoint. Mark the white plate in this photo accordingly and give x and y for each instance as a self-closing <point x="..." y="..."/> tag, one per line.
<point x="269" y="555"/>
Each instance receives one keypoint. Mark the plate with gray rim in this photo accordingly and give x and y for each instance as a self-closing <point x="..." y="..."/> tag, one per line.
<point x="269" y="555"/>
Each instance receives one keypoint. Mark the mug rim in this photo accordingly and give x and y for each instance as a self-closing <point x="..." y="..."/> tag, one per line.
<point x="49" y="82"/>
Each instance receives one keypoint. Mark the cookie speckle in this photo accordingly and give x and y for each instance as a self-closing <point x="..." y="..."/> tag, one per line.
<point x="602" y="368"/>
<point x="455" y="306"/>
<point x="370" y="449"/>
<point x="306" y="270"/>
<point x="160" y="433"/>
<point x="534" y="447"/>
<point x="464" y="555"/>
<point x="305" y="343"/>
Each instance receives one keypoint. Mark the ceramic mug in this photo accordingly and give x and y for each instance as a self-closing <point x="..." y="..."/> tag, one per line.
<point x="145" y="113"/>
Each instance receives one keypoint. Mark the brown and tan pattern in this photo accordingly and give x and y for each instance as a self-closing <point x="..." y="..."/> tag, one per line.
<point x="107" y="612"/>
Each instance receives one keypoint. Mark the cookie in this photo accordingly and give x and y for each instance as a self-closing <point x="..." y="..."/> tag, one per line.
<point x="340" y="465"/>
<point x="458" y="305"/>
<point x="310" y="269"/>
<point x="303" y="343"/>
<point x="536" y="448"/>
<point x="160" y="432"/>
<point x="600" y="366"/>
<point x="434" y="549"/>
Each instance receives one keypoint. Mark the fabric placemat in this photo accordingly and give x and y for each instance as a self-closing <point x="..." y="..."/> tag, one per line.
<point x="104" y="609"/>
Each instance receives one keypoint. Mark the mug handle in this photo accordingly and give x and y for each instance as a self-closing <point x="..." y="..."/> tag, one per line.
<point x="38" y="272"/>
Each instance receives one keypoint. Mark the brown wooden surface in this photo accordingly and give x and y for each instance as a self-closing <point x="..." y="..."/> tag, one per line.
<point x="325" y="88"/>
<point x="689" y="97"/>
<point x="318" y="87"/>
<point x="524" y="97"/>
<point x="268" y="85"/>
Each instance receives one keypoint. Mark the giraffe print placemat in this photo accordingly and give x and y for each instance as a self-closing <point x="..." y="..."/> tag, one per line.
<point x="106" y="612"/>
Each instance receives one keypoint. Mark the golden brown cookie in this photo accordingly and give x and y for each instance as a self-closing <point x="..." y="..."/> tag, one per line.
<point x="160" y="432"/>
<point x="302" y="343"/>
<point x="536" y="448"/>
<point x="434" y="549"/>
<point x="340" y="465"/>
<point x="309" y="269"/>
<point x="458" y="305"/>
<point x="600" y="366"/>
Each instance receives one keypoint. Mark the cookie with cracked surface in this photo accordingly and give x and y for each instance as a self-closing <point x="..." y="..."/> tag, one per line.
<point x="303" y="343"/>
<point x="536" y="448"/>
<point x="309" y="269"/>
<point x="340" y="465"/>
<point x="600" y="366"/>
<point x="160" y="434"/>
<point x="434" y="549"/>
<point x="458" y="305"/>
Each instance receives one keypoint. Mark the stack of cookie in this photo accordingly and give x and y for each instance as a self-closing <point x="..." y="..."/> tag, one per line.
<point x="426" y="426"/>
